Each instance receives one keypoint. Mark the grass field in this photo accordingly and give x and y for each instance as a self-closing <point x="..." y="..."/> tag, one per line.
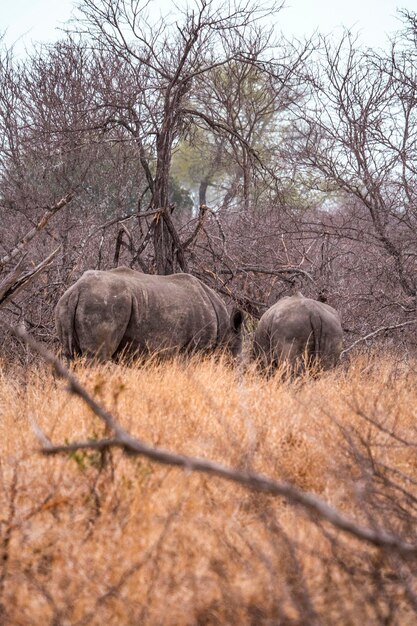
<point x="108" y="539"/>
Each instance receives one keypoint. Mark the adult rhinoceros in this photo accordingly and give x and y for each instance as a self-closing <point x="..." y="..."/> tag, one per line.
<point x="297" y="330"/>
<point x="108" y="312"/>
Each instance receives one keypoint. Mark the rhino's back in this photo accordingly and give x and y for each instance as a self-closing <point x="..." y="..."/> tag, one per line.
<point x="292" y="315"/>
<point x="174" y="312"/>
<point x="295" y="325"/>
<point x="106" y="312"/>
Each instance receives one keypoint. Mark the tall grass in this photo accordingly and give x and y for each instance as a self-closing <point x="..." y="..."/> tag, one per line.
<point x="96" y="539"/>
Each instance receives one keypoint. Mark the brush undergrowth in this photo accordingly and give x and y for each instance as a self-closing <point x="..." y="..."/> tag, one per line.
<point x="91" y="538"/>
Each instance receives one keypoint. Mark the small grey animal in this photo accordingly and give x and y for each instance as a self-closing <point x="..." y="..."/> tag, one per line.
<point x="298" y="331"/>
<point x="106" y="313"/>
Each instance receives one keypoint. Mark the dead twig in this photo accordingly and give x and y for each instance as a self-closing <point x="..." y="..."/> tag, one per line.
<point x="376" y="332"/>
<point x="39" y="226"/>
<point x="16" y="279"/>
<point x="276" y="272"/>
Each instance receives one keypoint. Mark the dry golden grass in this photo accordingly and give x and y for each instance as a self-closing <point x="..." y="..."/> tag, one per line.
<point x="117" y="541"/>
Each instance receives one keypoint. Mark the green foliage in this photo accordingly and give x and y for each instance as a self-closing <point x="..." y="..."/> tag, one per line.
<point x="179" y="196"/>
<point x="86" y="459"/>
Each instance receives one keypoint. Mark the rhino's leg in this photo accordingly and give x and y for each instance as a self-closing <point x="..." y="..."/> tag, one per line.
<point x="332" y="347"/>
<point x="101" y="323"/>
<point x="328" y="344"/>
<point x="64" y="323"/>
<point x="259" y="353"/>
<point x="293" y="354"/>
<point x="266" y="353"/>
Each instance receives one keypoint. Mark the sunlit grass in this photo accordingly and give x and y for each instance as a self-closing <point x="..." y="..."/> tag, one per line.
<point x="118" y="540"/>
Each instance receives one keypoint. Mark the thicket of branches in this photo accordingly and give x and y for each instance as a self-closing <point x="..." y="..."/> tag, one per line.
<point x="201" y="142"/>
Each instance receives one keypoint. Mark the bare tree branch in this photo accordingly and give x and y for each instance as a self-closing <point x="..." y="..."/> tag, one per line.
<point x="276" y="272"/>
<point x="39" y="226"/>
<point x="17" y="279"/>
<point x="377" y="332"/>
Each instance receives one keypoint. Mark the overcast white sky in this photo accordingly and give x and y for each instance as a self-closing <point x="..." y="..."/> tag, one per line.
<point x="39" y="20"/>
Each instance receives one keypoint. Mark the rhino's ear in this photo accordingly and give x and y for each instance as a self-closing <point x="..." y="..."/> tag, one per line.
<point x="236" y="320"/>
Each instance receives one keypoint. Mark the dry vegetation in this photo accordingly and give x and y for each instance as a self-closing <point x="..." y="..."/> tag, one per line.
<point x="97" y="539"/>
<point x="305" y="178"/>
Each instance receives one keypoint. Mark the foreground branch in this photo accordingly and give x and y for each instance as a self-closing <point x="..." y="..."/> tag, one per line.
<point x="251" y="480"/>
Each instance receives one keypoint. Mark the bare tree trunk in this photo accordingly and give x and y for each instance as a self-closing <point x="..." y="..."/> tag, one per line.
<point x="167" y="245"/>
<point x="202" y="192"/>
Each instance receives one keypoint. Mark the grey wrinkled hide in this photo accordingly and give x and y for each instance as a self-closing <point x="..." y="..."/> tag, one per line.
<point x="106" y="313"/>
<point x="297" y="330"/>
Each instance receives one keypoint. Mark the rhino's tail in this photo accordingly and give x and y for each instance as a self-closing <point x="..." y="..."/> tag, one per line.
<point x="327" y="344"/>
<point x="65" y="323"/>
<point x="317" y="332"/>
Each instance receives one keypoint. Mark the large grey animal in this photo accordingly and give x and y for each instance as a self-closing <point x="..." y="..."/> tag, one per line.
<point x="106" y="313"/>
<point x="298" y="331"/>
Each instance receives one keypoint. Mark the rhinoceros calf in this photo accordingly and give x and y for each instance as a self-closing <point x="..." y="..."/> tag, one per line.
<point x="298" y="331"/>
<point x="108" y="312"/>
